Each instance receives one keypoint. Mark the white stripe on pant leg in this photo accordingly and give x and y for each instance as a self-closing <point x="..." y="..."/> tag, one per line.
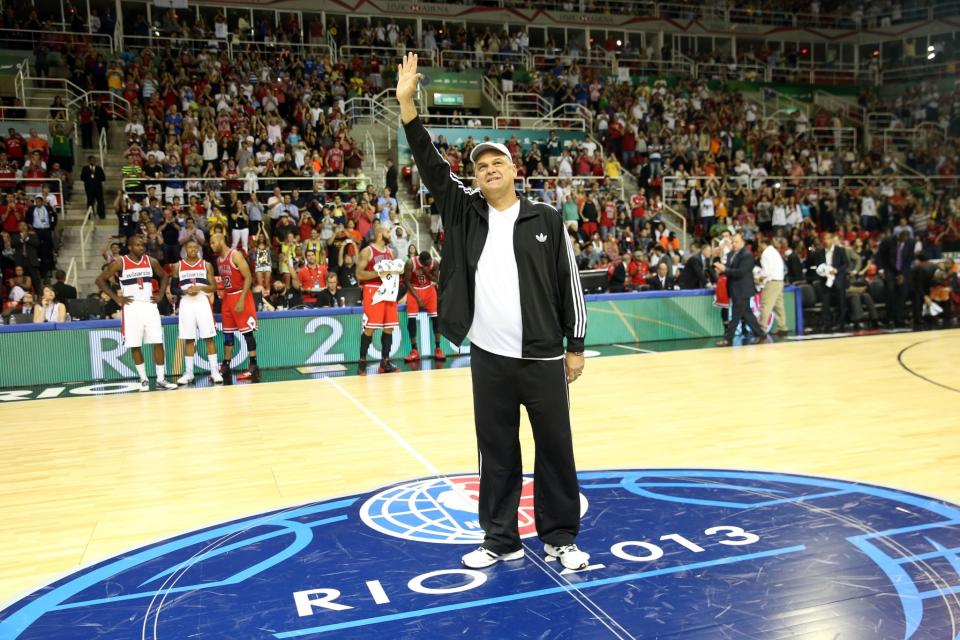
<point x="579" y="306"/>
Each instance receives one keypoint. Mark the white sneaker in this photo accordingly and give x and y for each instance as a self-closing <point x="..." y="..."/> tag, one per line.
<point x="569" y="556"/>
<point x="144" y="385"/>
<point x="165" y="385"/>
<point x="186" y="378"/>
<point x="482" y="557"/>
<point x="216" y="377"/>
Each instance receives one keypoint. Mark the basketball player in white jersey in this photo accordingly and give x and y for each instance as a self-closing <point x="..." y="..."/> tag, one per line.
<point x="197" y="283"/>
<point x="140" y="318"/>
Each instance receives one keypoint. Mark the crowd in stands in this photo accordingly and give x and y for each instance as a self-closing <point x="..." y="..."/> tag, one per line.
<point x="258" y="146"/>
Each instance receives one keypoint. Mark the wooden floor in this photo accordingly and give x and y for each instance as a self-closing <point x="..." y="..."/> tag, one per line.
<point x="86" y="478"/>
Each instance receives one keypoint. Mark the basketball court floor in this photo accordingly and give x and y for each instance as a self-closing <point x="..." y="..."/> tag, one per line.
<point x="804" y="489"/>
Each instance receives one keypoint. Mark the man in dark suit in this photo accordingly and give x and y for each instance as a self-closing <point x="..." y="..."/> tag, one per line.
<point x="740" y="286"/>
<point x="93" y="178"/>
<point x="697" y="272"/>
<point x="390" y="178"/>
<point x="663" y="281"/>
<point x="63" y="290"/>
<point x="26" y="252"/>
<point x="836" y="281"/>
<point x="895" y="257"/>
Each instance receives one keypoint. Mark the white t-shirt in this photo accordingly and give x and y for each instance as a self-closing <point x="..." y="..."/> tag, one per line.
<point x="497" y="323"/>
<point x="706" y="207"/>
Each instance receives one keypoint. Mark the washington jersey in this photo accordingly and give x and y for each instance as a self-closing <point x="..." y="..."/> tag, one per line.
<point x="193" y="274"/>
<point x="136" y="279"/>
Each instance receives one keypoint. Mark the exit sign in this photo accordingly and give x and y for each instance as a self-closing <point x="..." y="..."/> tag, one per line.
<point x="448" y="99"/>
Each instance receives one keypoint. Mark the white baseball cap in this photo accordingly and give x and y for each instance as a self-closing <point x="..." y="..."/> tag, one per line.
<point x="483" y="146"/>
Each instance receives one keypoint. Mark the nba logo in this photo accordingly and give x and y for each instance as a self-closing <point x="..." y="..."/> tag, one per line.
<point x="441" y="510"/>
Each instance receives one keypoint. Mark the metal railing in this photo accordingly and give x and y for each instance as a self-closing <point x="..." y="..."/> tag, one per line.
<point x="87" y="227"/>
<point x="517" y="103"/>
<point x="911" y="73"/>
<point x="451" y="121"/>
<point x="71" y="278"/>
<point x="675" y="189"/>
<point x="185" y="187"/>
<point x="732" y="71"/>
<point x="834" y="137"/>
<point x="376" y="110"/>
<point x="54" y="40"/>
<point x="388" y="55"/>
<point x="570" y="111"/>
<point x="635" y="66"/>
<point x="817" y="73"/>
<point x="370" y="150"/>
<point x="845" y="21"/>
<point x="542" y="122"/>
<point x="847" y="109"/>
<point x="119" y="106"/>
<point x="775" y="102"/>
<point x="906" y="138"/>
<point x="33" y="122"/>
<point x="875" y="122"/>
<point x="517" y="59"/>
<point x="102" y="146"/>
<point x="72" y="94"/>
<point x="681" y="221"/>
<point x="491" y="91"/>
<point x="232" y="46"/>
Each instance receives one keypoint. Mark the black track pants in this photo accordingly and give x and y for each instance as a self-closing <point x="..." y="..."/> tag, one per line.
<point x="500" y="386"/>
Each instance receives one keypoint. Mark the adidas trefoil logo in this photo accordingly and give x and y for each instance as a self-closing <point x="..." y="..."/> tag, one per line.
<point x="541" y="237"/>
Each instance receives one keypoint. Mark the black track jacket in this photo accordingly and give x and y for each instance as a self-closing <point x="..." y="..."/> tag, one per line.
<point x="551" y="298"/>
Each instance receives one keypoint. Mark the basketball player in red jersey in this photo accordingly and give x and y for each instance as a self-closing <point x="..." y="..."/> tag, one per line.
<point x="196" y="313"/>
<point x="239" y="312"/>
<point x="140" y="318"/>
<point x="376" y="315"/>
<point x="420" y="275"/>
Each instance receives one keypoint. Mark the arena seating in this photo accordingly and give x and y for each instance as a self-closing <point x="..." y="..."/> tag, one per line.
<point x="246" y="128"/>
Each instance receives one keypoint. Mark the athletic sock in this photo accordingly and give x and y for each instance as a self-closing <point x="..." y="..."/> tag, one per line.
<point x="386" y="341"/>
<point x="436" y="331"/>
<point x="213" y="362"/>
<point x="365" y="341"/>
<point x="412" y="331"/>
<point x="188" y="365"/>
<point x="160" y="372"/>
<point x="141" y="370"/>
<point x="253" y="361"/>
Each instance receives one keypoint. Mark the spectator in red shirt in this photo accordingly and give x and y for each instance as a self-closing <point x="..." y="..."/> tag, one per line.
<point x="608" y="218"/>
<point x="334" y="161"/>
<point x="15" y="146"/>
<point x="313" y="278"/>
<point x="11" y="214"/>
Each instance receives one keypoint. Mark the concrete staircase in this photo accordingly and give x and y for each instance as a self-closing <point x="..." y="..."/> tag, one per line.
<point x="70" y="246"/>
<point x="385" y="144"/>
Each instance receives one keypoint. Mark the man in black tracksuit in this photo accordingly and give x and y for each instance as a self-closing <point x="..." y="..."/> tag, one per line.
<point x="509" y="283"/>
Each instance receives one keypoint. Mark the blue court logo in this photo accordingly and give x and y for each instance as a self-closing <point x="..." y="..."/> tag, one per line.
<point x="691" y="554"/>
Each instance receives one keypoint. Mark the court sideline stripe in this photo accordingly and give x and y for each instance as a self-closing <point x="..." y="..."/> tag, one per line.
<point x="564" y="584"/>
<point x="629" y="348"/>
<point x="912" y="372"/>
